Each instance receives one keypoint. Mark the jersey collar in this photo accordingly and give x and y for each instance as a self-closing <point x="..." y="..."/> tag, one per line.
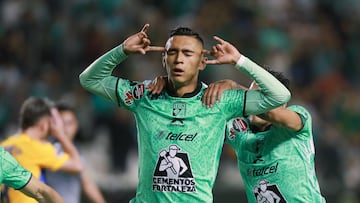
<point x="187" y="95"/>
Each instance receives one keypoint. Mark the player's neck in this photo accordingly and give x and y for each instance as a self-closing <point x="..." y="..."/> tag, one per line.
<point x="183" y="90"/>
<point x="34" y="133"/>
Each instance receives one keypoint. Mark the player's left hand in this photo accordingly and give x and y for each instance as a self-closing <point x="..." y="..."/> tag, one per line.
<point x="213" y="93"/>
<point x="224" y="53"/>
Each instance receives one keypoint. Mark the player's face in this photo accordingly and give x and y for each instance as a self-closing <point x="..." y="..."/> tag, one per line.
<point x="183" y="59"/>
<point x="70" y="123"/>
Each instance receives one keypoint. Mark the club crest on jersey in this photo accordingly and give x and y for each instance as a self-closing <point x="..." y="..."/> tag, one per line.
<point x="138" y="91"/>
<point x="179" y="109"/>
<point x="266" y="192"/>
<point x="173" y="171"/>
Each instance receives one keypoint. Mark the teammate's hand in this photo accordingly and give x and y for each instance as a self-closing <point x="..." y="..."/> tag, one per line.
<point x="157" y="85"/>
<point x="140" y="43"/>
<point x="213" y="93"/>
<point x="224" y="53"/>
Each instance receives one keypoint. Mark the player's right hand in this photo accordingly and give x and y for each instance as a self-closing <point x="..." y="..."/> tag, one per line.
<point x="140" y="43"/>
<point x="157" y="85"/>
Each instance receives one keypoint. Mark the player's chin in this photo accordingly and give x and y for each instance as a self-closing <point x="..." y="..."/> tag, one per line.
<point x="178" y="79"/>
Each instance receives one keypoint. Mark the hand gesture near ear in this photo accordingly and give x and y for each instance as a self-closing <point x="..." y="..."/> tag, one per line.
<point x="140" y="43"/>
<point x="224" y="53"/>
<point x="57" y="124"/>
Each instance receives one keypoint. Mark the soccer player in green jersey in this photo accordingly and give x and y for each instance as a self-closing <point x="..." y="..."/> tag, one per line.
<point x="180" y="139"/>
<point x="13" y="175"/>
<point x="275" y="150"/>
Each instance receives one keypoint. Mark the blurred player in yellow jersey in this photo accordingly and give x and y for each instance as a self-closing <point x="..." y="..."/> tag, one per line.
<point x="31" y="148"/>
<point x="70" y="186"/>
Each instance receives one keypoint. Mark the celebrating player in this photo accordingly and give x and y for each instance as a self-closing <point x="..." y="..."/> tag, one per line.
<point x="176" y="118"/>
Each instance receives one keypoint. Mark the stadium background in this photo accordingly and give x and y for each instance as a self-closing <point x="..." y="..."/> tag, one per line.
<point x="44" y="45"/>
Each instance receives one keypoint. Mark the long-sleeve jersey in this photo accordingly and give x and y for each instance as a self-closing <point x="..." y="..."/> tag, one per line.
<point x="276" y="164"/>
<point x="179" y="139"/>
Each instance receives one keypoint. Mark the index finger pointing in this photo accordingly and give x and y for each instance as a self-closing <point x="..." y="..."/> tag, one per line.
<point x="156" y="48"/>
<point x="218" y="39"/>
<point x="145" y="28"/>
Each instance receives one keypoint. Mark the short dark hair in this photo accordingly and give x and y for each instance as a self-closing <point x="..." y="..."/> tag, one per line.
<point x="185" y="31"/>
<point x="32" y="110"/>
<point x="280" y="76"/>
<point x="63" y="106"/>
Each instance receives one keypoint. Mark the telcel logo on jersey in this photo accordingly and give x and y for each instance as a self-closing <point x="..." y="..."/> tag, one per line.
<point x="263" y="170"/>
<point x="181" y="136"/>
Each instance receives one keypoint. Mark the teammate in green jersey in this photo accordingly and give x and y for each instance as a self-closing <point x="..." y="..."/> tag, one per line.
<point x="12" y="174"/>
<point x="275" y="150"/>
<point x="179" y="138"/>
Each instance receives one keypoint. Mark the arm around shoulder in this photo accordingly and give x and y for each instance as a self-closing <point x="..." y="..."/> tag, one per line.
<point x="284" y="117"/>
<point x="271" y="94"/>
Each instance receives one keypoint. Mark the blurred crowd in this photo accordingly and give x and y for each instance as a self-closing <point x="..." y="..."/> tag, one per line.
<point x="44" y="45"/>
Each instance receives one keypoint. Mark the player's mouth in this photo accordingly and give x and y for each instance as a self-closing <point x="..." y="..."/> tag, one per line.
<point x="177" y="71"/>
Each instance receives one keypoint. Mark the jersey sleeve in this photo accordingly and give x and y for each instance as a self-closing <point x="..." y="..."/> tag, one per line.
<point x="235" y="129"/>
<point x="272" y="93"/>
<point x="48" y="157"/>
<point x="129" y="93"/>
<point x="97" y="77"/>
<point x="306" y="130"/>
<point x="13" y="174"/>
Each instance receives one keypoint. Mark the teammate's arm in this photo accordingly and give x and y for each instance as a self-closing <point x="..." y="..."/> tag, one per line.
<point x="41" y="192"/>
<point x="279" y="116"/>
<point x="17" y="177"/>
<point x="97" y="77"/>
<point x="284" y="117"/>
<point x="271" y="94"/>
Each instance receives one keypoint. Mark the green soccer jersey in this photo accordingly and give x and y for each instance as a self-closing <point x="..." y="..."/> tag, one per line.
<point x="276" y="165"/>
<point x="12" y="173"/>
<point x="180" y="141"/>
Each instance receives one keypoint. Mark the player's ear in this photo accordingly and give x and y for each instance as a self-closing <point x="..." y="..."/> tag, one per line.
<point x="202" y="65"/>
<point x="163" y="60"/>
